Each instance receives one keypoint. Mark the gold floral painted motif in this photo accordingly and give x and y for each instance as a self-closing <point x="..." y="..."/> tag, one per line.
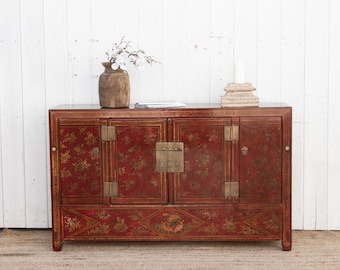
<point x="90" y="138"/>
<point x="209" y="229"/>
<point x="203" y="172"/>
<point x="136" y="215"/>
<point x="72" y="187"/>
<point x="64" y="157"/>
<point x="84" y="177"/>
<point x="103" y="215"/>
<point x="70" y="137"/>
<point x="249" y="231"/>
<point x="193" y="137"/>
<point x="194" y="185"/>
<point x="139" y="231"/>
<point x="71" y="224"/>
<point x="80" y="160"/>
<point x="94" y="185"/>
<point x="127" y="185"/>
<point x="188" y="167"/>
<point x="65" y="173"/>
<point x="63" y="146"/>
<point x="81" y="166"/>
<point x="154" y="183"/>
<point x="121" y="171"/>
<point x="122" y="157"/>
<point x="272" y="224"/>
<point x="80" y="150"/>
<point x="217" y="166"/>
<point x="134" y="153"/>
<point x="125" y="139"/>
<point x="101" y="229"/>
<point x="203" y="160"/>
<point x="273" y="183"/>
<point x="269" y="136"/>
<point x="82" y="130"/>
<point x="207" y="214"/>
<point x="97" y="170"/>
<point x="133" y="149"/>
<point x="212" y="135"/>
<point x="139" y="164"/>
<point x="150" y="138"/>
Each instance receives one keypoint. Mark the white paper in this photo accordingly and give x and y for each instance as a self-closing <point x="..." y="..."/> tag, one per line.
<point x="159" y="105"/>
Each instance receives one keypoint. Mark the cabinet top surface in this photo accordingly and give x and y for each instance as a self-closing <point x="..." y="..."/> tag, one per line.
<point x="190" y="110"/>
<point x="188" y="106"/>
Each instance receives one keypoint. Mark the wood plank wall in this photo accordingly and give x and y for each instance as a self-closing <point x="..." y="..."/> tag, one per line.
<point x="51" y="53"/>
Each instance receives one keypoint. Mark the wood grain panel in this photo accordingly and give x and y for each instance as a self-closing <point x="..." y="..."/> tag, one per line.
<point x="34" y="119"/>
<point x="333" y="114"/>
<point x="79" y="51"/>
<point x="12" y="130"/>
<point x="316" y="115"/>
<point x="269" y="50"/>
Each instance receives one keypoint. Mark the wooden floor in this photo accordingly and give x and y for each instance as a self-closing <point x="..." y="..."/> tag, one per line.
<point x="32" y="249"/>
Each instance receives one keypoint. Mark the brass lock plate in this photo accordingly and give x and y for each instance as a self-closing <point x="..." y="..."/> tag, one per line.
<point x="169" y="157"/>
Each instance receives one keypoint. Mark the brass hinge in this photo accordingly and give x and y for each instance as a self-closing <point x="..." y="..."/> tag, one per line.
<point x="108" y="133"/>
<point x="231" y="189"/>
<point x="110" y="189"/>
<point x="231" y="133"/>
<point x="169" y="157"/>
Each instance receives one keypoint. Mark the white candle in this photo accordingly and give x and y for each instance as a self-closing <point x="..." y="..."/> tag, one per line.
<point x="239" y="73"/>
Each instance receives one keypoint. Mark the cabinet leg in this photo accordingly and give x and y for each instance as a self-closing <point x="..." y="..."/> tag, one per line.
<point x="286" y="245"/>
<point x="57" y="244"/>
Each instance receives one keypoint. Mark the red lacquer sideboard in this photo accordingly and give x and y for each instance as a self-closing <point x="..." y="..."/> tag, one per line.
<point x="198" y="173"/>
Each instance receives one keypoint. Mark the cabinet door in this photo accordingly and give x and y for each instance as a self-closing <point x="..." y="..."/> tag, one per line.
<point x="133" y="162"/>
<point x="260" y="157"/>
<point x="207" y="160"/>
<point x="79" y="161"/>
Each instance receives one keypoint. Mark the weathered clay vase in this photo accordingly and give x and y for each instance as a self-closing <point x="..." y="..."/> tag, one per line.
<point x="114" y="88"/>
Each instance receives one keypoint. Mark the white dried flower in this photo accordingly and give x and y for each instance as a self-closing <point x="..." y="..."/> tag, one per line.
<point x="120" y="56"/>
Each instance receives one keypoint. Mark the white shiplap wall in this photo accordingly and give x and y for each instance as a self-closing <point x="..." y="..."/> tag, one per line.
<point x="51" y="53"/>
